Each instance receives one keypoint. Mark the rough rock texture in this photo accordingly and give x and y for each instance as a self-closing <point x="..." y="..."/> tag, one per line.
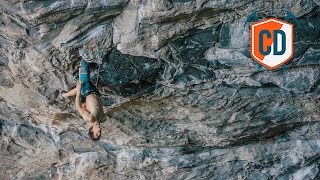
<point x="182" y="97"/>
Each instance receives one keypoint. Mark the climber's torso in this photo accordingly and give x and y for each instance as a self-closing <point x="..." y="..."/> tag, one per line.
<point x="94" y="106"/>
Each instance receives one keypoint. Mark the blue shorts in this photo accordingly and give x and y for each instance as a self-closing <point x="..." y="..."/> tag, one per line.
<point x="87" y="87"/>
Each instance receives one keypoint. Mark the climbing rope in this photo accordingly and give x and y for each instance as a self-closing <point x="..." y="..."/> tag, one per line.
<point x="98" y="73"/>
<point x="98" y="55"/>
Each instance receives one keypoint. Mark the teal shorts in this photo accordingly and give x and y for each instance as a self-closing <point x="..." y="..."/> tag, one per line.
<point x="87" y="87"/>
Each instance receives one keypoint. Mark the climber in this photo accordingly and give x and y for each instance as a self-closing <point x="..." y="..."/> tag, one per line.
<point x="88" y="102"/>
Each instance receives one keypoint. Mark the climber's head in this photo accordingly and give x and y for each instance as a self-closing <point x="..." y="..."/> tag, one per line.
<point x="95" y="132"/>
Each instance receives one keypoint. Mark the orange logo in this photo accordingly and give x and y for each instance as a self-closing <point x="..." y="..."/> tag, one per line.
<point x="271" y="42"/>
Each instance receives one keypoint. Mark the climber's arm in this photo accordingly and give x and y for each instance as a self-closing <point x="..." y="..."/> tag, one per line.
<point x="72" y="92"/>
<point x="84" y="114"/>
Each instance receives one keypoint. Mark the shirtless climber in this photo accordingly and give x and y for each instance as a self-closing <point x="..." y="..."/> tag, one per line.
<point x="88" y="102"/>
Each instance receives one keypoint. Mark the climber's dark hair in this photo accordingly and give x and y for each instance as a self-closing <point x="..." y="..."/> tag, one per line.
<point x="90" y="133"/>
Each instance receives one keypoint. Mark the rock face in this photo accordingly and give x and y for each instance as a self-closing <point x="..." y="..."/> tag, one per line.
<point x="182" y="97"/>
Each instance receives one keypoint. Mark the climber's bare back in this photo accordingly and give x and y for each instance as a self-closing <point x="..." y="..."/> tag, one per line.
<point x="94" y="107"/>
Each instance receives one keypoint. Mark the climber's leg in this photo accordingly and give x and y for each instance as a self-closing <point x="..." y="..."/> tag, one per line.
<point x="84" y="74"/>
